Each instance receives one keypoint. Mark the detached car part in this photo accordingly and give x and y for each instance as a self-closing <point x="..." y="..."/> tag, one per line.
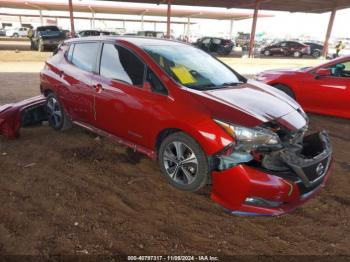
<point x="22" y="114"/>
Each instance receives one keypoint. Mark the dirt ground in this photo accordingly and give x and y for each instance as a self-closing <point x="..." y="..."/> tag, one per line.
<point x="74" y="193"/>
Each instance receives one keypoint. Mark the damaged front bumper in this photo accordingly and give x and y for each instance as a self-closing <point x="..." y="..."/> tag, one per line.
<point x="25" y="113"/>
<point x="250" y="189"/>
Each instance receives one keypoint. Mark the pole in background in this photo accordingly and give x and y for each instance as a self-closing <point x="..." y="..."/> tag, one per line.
<point x="252" y="35"/>
<point x="71" y="18"/>
<point x="41" y="17"/>
<point x="329" y="32"/>
<point x="231" y="29"/>
<point x="168" y="33"/>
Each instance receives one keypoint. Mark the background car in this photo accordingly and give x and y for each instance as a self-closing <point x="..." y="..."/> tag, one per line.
<point x="286" y="48"/>
<point x="47" y="37"/>
<point x="2" y="32"/>
<point x="215" y="45"/>
<point x="324" y="89"/>
<point x="17" y="32"/>
<point x="315" y="49"/>
<point x="156" y="34"/>
<point x="86" y="33"/>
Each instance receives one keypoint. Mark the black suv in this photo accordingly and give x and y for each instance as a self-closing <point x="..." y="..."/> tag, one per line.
<point x="47" y="37"/>
<point x="215" y="45"/>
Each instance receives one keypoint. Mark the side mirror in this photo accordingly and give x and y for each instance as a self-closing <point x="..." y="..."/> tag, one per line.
<point x="323" y="72"/>
<point x="147" y="86"/>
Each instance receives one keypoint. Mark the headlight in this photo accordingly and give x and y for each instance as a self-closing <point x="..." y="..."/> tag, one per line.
<point x="250" y="138"/>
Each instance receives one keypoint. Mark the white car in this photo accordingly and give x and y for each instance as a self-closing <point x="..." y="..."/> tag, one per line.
<point x="17" y="32"/>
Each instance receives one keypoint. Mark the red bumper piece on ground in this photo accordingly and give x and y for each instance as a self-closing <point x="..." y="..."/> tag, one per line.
<point x="11" y="115"/>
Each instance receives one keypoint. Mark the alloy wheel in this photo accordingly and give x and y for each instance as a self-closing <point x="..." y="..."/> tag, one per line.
<point x="54" y="112"/>
<point x="180" y="163"/>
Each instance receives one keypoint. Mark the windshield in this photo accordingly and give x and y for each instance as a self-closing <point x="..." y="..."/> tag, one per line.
<point x="192" y="67"/>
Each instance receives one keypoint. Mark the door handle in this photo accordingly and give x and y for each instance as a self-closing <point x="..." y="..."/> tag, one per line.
<point x="98" y="88"/>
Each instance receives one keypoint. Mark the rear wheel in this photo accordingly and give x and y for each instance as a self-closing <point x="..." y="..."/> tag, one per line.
<point x="15" y="35"/>
<point x="316" y="54"/>
<point x="183" y="162"/>
<point x="58" y="119"/>
<point x="297" y="54"/>
<point x="285" y="89"/>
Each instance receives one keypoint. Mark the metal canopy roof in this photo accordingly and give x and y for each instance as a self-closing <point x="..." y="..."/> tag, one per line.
<point x="112" y="7"/>
<point x="307" y="6"/>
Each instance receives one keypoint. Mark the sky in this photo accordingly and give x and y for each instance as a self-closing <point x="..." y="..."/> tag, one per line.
<point x="282" y="25"/>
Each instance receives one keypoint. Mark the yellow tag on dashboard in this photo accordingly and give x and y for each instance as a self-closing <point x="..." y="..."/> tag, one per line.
<point x="183" y="74"/>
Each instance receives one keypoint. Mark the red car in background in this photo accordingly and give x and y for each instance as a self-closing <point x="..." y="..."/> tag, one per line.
<point x="202" y="121"/>
<point x="323" y="89"/>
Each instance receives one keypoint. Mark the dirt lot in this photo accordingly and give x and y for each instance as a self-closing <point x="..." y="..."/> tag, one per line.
<point x="73" y="193"/>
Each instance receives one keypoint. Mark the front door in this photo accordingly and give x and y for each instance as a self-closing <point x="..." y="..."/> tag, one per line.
<point x="122" y="106"/>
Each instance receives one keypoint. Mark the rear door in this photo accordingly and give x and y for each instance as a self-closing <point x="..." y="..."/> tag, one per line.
<point x="78" y="94"/>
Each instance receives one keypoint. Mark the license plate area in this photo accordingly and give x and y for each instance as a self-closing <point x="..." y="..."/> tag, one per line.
<point x="312" y="163"/>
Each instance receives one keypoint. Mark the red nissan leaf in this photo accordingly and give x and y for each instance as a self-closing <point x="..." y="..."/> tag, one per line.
<point x="323" y="89"/>
<point x="202" y="121"/>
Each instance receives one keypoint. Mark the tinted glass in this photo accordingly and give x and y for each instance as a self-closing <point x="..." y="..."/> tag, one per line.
<point x="84" y="56"/>
<point x="156" y="84"/>
<point x="120" y="64"/>
<point x="70" y="52"/>
<point x="193" y="67"/>
<point x="216" y="41"/>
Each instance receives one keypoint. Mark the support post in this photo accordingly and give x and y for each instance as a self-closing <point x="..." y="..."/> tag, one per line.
<point x="252" y="34"/>
<point x="155" y="26"/>
<point x="124" y="25"/>
<point x="231" y="29"/>
<point x="168" y="33"/>
<point x="71" y="18"/>
<point x="20" y="20"/>
<point x="41" y="17"/>
<point x="329" y="32"/>
<point x="188" y="30"/>
<point x="142" y="23"/>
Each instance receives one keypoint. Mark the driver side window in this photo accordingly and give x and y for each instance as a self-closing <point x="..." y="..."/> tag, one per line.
<point x="340" y="70"/>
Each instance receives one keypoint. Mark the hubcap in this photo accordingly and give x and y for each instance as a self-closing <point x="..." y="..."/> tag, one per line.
<point x="54" y="112"/>
<point x="180" y="163"/>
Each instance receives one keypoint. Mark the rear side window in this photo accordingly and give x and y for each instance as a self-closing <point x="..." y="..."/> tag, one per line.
<point x="120" y="64"/>
<point x="84" y="56"/>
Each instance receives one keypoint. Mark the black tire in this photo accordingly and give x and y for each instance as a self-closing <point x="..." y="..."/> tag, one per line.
<point x="267" y="53"/>
<point x="297" y="54"/>
<point x="15" y="35"/>
<point x="199" y="178"/>
<point x="58" y="120"/>
<point x="316" y="54"/>
<point x="285" y="89"/>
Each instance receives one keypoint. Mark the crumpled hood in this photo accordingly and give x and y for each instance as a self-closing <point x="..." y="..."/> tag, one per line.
<point x="249" y="104"/>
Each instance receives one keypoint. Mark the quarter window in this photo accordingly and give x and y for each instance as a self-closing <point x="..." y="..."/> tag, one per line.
<point x="84" y="56"/>
<point x="120" y="64"/>
<point x="156" y="84"/>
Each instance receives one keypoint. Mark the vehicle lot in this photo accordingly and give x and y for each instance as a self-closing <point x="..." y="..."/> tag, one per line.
<point x="74" y="193"/>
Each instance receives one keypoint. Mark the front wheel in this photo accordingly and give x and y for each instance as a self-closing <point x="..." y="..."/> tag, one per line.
<point x="267" y="53"/>
<point x="58" y="119"/>
<point x="316" y="54"/>
<point x="183" y="162"/>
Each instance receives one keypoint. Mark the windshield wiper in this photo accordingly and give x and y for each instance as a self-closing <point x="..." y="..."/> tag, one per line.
<point x="232" y="84"/>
